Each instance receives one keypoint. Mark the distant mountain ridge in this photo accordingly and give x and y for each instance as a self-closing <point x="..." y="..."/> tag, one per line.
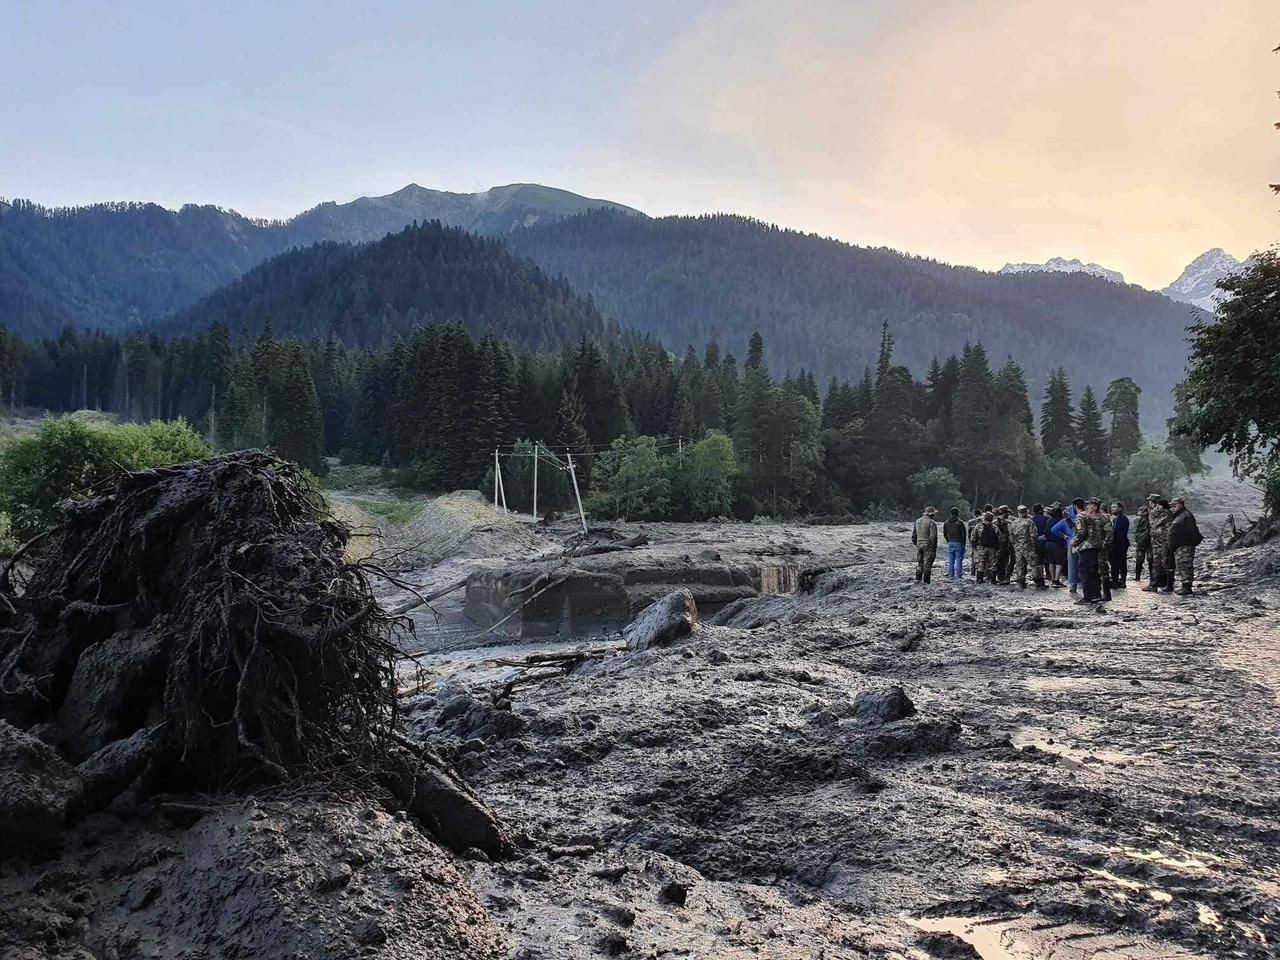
<point x="111" y="266"/>
<point x="1197" y="284"/>
<point x="1059" y="265"/>
<point x="819" y="303"/>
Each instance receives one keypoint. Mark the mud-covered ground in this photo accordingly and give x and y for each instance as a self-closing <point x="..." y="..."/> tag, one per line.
<point x="1058" y="781"/>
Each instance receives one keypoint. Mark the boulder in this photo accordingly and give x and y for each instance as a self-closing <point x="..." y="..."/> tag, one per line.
<point x="36" y="788"/>
<point x="664" y="621"/>
<point x="883" y="706"/>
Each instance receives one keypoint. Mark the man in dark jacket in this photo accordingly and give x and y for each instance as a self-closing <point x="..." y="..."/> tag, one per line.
<point x="1042" y="523"/>
<point x="924" y="536"/>
<point x="956" y="534"/>
<point x="1184" y="537"/>
<point x="1119" y="558"/>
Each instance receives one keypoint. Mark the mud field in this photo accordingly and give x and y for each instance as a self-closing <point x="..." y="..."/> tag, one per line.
<point x="880" y="768"/>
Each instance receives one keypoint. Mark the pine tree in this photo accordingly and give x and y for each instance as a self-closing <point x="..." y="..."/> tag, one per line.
<point x="885" y="357"/>
<point x="1121" y="401"/>
<point x="1091" y="438"/>
<point x="684" y="418"/>
<point x="1013" y="400"/>
<point x="755" y="352"/>
<point x="1057" y="419"/>
<point x="297" y="424"/>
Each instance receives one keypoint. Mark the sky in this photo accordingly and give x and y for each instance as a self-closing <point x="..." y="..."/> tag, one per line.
<point x="1133" y="133"/>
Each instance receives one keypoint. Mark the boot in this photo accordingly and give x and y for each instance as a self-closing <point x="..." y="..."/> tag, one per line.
<point x="928" y="575"/>
<point x="1186" y="589"/>
<point x="1106" y="591"/>
<point x="982" y="579"/>
<point x="918" y="576"/>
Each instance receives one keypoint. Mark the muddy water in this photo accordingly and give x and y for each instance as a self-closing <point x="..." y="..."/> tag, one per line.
<point x="1074" y="784"/>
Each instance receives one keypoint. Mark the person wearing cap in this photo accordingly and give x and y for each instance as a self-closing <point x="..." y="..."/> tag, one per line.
<point x="1184" y="537"/>
<point x="1159" y="518"/>
<point x="1041" y="522"/>
<point x="925" y="537"/>
<point x="956" y="534"/>
<point x="1022" y="537"/>
<point x="1141" y="542"/>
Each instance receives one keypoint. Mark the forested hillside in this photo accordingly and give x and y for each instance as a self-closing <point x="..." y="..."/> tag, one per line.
<point x="820" y="303"/>
<point x="424" y="274"/>
<point x="114" y="266"/>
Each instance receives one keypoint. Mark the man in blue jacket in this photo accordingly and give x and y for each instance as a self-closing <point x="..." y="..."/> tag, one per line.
<point x="1119" y="558"/>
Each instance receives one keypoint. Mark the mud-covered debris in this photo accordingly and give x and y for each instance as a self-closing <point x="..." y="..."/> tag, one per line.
<point x="675" y="893"/>
<point x="36" y="790"/>
<point x="883" y="706"/>
<point x="664" y="621"/>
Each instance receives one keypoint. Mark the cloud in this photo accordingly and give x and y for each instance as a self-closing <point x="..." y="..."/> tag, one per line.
<point x="1136" y="134"/>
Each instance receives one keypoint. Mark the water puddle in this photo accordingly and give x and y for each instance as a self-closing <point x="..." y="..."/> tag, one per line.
<point x="986" y="936"/>
<point x="1155" y="893"/>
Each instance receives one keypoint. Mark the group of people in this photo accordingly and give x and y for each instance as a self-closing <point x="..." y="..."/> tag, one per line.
<point x="1082" y="546"/>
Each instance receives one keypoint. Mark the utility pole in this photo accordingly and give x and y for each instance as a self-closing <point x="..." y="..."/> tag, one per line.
<point x="536" y="447"/>
<point x="495" y="479"/>
<point x="573" y="473"/>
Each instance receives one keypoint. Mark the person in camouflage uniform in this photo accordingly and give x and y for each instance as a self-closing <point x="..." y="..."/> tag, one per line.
<point x="1089" y="540"/>
<point x="1161" y="561"/>
<point x="924" y="535"/>
<point x="1004" y="553"/>
<point x="986" y="541"/>
<point x="1142" y="542"/>
<point x="1104" y="555"/>
<point x="1184" y="537"/>
<point x="1022" y="538"/>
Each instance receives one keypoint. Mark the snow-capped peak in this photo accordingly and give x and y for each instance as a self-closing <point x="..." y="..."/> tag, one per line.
<point x="1197" y="284"/>
<point x="1059" y="265"/>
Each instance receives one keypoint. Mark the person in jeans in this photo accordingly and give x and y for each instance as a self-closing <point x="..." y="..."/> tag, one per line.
<point x="1074" y="509"/>
<point x="956" y="533"/>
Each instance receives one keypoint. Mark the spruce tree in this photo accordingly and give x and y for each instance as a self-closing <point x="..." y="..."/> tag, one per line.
<point x="755" y="352"/>
<point x="1091" y="437"/>
<point x="1013" y="398"/>
<point x="297" y="424"/>
<point x="1057" y="419"/>
<point x="1121" y="402"/>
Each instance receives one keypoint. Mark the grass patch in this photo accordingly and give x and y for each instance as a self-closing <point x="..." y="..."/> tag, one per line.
<point x="393" y="511"/>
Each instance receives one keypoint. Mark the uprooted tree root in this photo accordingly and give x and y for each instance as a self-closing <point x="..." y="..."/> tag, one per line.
<point x="197" y="629"/>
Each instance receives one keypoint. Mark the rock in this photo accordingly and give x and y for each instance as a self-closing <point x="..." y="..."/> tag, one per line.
<point x="674" y="892"/>
<point x="663" y="622"/>
<point x="114" y="767"/>
<point x="36" y="789"/>
<point x="334" y="878"/>
<point x="883" y="706"/>
<point x="113" y="683"/>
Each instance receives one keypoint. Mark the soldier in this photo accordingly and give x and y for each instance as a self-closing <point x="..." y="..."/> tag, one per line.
<point x="976" y="522"/>
<point x="1088" y="542"/>
<point x="986" y="540"/>
<point x="1004" y="553"/>
<point x="1106" y="525"/>
<point x="1141" y="542"/>
<point x="1022" y="537"/>
<point x="1184" y="537"/>
<point x="1159" y="518"/>
<point x="925" y="537"/>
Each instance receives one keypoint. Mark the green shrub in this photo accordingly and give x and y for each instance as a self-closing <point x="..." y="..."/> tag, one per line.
<point x="8" y="542"/>
<point x="68" y="458"/>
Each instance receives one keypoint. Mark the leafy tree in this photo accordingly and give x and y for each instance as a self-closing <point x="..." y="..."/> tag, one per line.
<point x="630" y="482"/>
<point x="937" y="487"/>
<point x="67" y="458"/>
<point x="1233" y="374"/>
<point x="702" y="478"/>
<point x="1150" y="469"/>
<point x="1063" y="478"/>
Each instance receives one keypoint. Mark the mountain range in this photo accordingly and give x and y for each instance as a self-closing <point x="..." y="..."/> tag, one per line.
<point x="1059" y="265"/>
<point x="112" y="266"/>
<point x="818" y="302"/>
<point x="1197" y="284"/>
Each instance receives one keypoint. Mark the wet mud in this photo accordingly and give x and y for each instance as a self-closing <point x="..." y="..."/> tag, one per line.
<point x="875" y="767"/>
